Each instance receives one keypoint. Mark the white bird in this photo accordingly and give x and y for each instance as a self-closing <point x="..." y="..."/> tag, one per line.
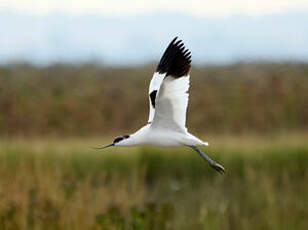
<point x="168" y="99"/>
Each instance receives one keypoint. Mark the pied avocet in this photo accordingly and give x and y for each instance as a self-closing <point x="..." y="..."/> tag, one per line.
<point x="168" y="99"/>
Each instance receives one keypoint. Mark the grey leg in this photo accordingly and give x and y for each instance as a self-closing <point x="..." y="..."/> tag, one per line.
<point x="212" y="163"/>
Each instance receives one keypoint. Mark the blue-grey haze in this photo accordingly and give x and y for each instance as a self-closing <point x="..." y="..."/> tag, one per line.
<point x="59" y="37"/>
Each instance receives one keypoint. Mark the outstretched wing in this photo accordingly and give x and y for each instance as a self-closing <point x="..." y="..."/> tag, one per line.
<point x="171" y="99"/>
<point x="160" y="73"/>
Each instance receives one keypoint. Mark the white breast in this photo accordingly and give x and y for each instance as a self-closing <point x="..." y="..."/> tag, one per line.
<point x="163" y="137"/>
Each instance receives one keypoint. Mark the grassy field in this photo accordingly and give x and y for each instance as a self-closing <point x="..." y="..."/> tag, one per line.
<point x="61" y="183"/>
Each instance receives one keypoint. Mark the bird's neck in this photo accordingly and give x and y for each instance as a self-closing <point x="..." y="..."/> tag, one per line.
<point x="137" y="138"/>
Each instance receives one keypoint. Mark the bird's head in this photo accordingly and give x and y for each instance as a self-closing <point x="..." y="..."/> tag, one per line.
<point x="118" y="141"/>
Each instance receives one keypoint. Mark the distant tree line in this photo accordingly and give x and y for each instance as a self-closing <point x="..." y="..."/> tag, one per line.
<point x="90" y="99"/>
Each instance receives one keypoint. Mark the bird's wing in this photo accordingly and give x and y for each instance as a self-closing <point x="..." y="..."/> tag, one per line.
<point x="153" y="90"/>
<point x="159" y="76"/>
<point x="172" y="96"/>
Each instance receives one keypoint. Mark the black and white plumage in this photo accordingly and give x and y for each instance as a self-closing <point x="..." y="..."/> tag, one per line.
<point x="168" y="100"/>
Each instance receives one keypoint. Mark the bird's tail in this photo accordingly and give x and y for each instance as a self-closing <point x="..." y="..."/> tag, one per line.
<point x="197" y="141"/>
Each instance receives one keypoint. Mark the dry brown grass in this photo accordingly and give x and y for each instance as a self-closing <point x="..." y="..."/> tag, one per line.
<point x="93" y="100"/>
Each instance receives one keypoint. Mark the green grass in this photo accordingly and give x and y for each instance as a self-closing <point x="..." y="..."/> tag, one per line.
<point x="54" y="183"/>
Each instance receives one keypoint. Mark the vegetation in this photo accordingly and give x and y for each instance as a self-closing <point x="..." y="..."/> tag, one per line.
<point x="57" y="183"/>
<point x="254" y="115"/>
<point x="96" y="100"/>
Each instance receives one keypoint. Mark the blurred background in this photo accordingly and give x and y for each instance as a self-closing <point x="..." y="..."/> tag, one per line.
<point x="75" y="74"/>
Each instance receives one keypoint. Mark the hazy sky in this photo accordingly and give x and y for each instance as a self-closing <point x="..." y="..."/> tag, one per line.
<point x="212" y="8"/>
<point x="217" y="31"/>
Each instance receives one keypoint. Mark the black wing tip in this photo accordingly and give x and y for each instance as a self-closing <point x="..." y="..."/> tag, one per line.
<point x="174" y="39"/>
<point x="176" y="60"/>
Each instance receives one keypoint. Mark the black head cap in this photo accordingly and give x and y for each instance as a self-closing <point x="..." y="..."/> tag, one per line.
<point x="118" y="139"/>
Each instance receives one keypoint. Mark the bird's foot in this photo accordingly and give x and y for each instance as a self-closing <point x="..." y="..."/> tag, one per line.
<point x="219" y="168"/>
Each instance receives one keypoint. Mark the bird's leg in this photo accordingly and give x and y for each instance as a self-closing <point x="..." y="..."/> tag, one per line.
<point x="212" y="163"/>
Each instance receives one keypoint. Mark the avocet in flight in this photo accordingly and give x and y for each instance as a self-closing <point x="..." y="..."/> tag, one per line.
<point x="168" y="99"/>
